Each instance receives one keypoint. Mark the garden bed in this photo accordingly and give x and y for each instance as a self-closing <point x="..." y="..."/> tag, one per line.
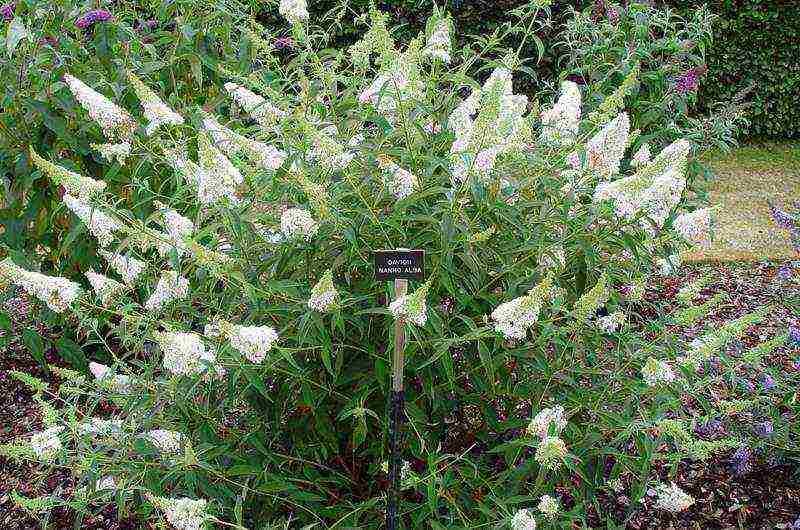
<point x="759" y="494"/>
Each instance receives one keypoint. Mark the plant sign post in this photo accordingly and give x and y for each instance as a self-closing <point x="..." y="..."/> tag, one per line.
<point x="399" y="265"/>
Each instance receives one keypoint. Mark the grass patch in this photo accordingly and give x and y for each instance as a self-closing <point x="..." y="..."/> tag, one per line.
<point x="745" y="180"/>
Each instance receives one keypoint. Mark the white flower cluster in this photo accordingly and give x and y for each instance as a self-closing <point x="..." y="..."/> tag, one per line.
<point x="119" y="383"/>
<point x="412" y="307"/>
<point x="541" y="424"/>
<point x="215" y="178"/>
<point x="115" y="121"/>
<point x="605" y="150"/>
<point x="295" y="11"/>
<point x="400" y="182"/>
<point x="497" y="128"/>
<point x="550" y="452"/>
<point x="57" y="292"/>
<point x="696" y="226"/>
<point x="669" y="265"/>
<point x="129" y="268"/>
<point x="100" y="224"/>
<point x="254" y="342"/>
<point x="156" y="111"/>
<point x="672" y="499"/>
<point x="185" y="353"/>
<point x="262" y="111"/>
<point x="179" y="231"/>
<point x="167" y="442"/>
<point x="261" y="154"/>
<point x="560" y="124"/>
<point x="523" y="520"/>
<point x="642" y="156"/>
<point x="46" y="444"/>
<point x="611" y="323"/>
<point x="514" y="318"/>
<point x="439" y="45"/>
<point x="327" y="152"/>
<point x="100" y="427"/>
<point x="548" y="505"/>
<point x="656" y="372"/>
<point x="74" y="183"/>
<point x="297" y="223"/>
<point x="170" y="287"/>
<point x="182" y="513"/>
<point x="111" y="152"/>
<point x="107" y="289"/>
<point x="654" y="190"/>
<point x="323" y="294"/>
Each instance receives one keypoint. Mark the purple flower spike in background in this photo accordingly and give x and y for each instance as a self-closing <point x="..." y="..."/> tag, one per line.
<point x="283" y="42"/>
<point x="783" y="219"/>
<point x="690" y="80"/>
<point x="764" y="429"/>
<point x="794" y="334"/>
<point x="768" y="383"/>
<point x="740" y="461"/>
<point x="785" y="272"/>
<point x="7" y="11"/>
<point x="98" y="15"/>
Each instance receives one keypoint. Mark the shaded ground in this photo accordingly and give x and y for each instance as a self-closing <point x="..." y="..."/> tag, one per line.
<point x="745" y="180"/>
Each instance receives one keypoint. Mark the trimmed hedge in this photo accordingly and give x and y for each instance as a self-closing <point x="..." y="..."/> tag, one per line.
<point x="756" y="43"/>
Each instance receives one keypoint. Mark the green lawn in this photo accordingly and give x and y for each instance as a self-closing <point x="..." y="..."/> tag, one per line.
<point x="745" y="179"/>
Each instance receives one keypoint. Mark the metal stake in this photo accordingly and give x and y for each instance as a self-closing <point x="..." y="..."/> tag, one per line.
<point x="396" y="418"/>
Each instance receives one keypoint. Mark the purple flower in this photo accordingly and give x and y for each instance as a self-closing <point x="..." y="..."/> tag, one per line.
<point x="97" y="15"/>
<point x="794" y="335"/>
<point x="768" y="383"/>
<point x="764" y="428"/>
<point x="741" y="461"/>
<point x="785" y="272"/>
<point x="689" y="80"/>
<point x="7" y="11"/>
<point x="284" y="42"/>
<point x="783" y="219"/>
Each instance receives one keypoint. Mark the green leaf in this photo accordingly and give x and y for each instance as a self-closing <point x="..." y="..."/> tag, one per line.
<point x="71" y="352"/>
<point x="35" y="344"/>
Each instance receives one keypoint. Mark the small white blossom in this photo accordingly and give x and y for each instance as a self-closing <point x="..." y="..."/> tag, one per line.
<point x="254" y="342"/>
<point x="551" y="452"/>
<point x="119" y="383"/>
<point x="74" y="183"/>
<point x="548" y="505"/>
<point x="672" y="499"/>
<point x="156" y="111"/>
<point x="297" y="223"/>
<point x="58" y="293"/>
<point x="127" y="267"/>
<point x="262" y="111"/>
<point x="514" y="318"/>
<point x="541" y="423"/>
<point x="185" y="353"/>
<point x="106" y="289"/>
<point x="696" y="226"/>
<point x="46" y="444"/>
<point x="216" y="177"/>
<point x="295" y="11"/>
<point x="112" y="152"/>
<point x="170" y="287"/>
<point x="560" y="124"/>
<point x="642" y="156"/>
<point x="656" y="372"/>
<point x="523" y="520"/>
<point x="100" y="427"/>
<point x="115" y="121"/>
<point x="101" y="225"/>
<point x="400" y="182"/>
<point x="182" y="513"/>
<point x="179" y="230"/>
<point x="611" y="323"/>
<point x="323" y="294"/>
<point x="167" y="442"/>
<point x="605" y="150"/>
<point x="265" y="156"/>
<point x="412" y="307"/>
<point x="439" y="44"/>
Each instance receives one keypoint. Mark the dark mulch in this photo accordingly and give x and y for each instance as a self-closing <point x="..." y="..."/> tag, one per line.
<point x="766" y="497"/>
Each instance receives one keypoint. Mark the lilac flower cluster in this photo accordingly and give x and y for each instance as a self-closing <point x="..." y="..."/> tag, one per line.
<point x="741" y="461"/>
<point x="794" y="334"/>
<point x="689" y="80"/>
<point x="90" y="18"/>
<point x="7" y="11"/>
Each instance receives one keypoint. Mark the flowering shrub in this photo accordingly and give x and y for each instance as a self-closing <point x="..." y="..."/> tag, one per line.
<point x="247" y="337"/>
